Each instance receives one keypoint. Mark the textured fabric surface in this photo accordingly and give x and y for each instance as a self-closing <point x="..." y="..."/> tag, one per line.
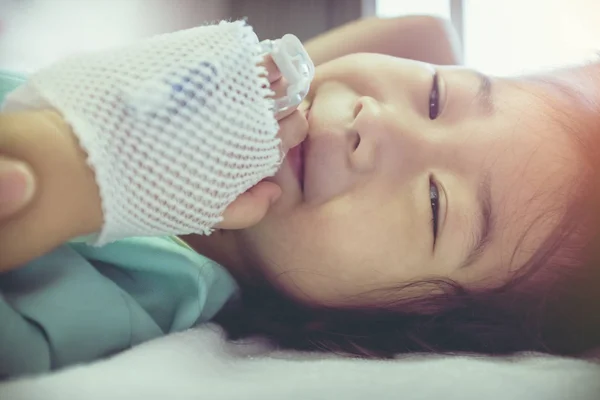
<point x="175" y="127"/>
<point x="200" y="365"/>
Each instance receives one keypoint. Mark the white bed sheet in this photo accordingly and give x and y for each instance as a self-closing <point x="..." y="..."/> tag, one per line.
<point x="199" y="364"/>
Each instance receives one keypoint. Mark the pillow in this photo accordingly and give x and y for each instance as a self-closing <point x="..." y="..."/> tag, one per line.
<point x="200" y="364"/>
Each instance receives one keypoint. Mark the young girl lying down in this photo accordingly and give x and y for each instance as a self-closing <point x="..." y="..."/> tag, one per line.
<point x="428" y="208"/>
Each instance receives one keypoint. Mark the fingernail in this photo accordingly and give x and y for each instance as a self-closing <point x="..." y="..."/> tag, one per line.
<point x="16" y="185"/>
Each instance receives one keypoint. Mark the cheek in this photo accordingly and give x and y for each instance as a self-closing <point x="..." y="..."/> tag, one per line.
<point x="340" y="250"/>
<point x="299" y="254"/>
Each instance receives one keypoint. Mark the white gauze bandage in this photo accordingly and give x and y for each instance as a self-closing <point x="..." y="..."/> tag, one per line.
<point x="175" y="127"/>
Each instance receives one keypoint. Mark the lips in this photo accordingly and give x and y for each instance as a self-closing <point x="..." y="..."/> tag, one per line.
<point x="296" y="156"/>
<point x="295" y="159"/>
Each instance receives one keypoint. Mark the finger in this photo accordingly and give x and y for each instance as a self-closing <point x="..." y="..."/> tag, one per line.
<point x="293" y="130"/>
<point x="282" y="115"/>
<point x="250" y="207"/>
<point x="279" y="86"/>
<point x="273" y="73"/>
<point x="16" y="186"/>
<point x="280" y="90"/>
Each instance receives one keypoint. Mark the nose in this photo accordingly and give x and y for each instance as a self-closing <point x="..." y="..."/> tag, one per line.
<point x="365" y="134"/>
<point x="381" y="139"/>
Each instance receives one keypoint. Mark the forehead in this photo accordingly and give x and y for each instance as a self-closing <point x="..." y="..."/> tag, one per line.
<point x="533" y="164"/>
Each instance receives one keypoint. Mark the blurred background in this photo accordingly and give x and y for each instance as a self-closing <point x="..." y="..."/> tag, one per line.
<point x="499" y="37"/>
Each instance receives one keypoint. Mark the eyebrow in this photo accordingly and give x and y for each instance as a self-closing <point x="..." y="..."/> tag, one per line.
<point x="484" y="97"/>
<point x="483" y="234"/>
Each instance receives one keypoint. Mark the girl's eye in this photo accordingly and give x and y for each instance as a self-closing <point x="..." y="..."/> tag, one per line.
<point x="434" y="97"/>
<point x="434" y="198"/>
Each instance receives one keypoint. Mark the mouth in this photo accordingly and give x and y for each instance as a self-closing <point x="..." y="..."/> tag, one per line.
<point x="295" y="158"/>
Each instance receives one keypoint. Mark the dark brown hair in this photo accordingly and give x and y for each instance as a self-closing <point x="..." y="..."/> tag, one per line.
<point x="552" y="305"/>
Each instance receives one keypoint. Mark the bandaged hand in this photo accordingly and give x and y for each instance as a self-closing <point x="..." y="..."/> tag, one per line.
<point x="176" y="129"/>
<point x="250" y="207"/>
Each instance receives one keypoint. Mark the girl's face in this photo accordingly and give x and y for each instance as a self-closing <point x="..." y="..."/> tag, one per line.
<point x="412" y="172"/>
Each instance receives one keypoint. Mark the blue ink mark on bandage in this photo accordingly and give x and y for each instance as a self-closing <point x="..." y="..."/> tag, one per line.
<point x="185" y="88"/>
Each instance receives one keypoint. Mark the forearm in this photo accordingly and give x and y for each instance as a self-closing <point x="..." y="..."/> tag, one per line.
<point x="66" y="203"/>
<point x="421" y="38"/>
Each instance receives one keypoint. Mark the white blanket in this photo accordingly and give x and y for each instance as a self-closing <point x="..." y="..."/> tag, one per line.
<point x="200" y="365"/>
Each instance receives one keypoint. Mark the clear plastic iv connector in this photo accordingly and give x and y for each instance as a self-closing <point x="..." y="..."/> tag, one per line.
<point x="296" y="67"/>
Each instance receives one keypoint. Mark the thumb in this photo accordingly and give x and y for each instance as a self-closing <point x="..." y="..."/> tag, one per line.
<point x="16" y="186"/>
<point x="250" y="207"/>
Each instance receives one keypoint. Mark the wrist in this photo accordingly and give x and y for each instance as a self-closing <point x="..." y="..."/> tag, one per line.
<point x="73" y="178"/>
